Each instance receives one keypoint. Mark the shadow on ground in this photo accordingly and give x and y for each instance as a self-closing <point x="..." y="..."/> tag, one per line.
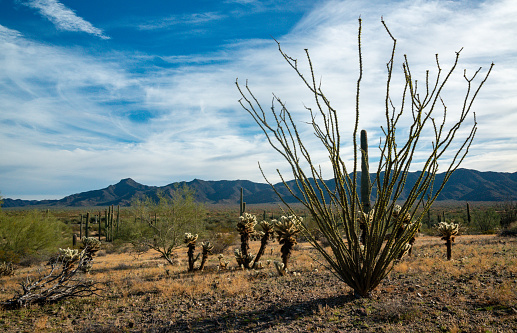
<point x="258" y="320"/>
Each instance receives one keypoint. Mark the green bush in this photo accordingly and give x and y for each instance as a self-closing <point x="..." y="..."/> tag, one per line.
<point x="29" y="234"/>
<point x="510" y="231"/>
<point x="486" y="222"/>
<point x="161" y="224"/>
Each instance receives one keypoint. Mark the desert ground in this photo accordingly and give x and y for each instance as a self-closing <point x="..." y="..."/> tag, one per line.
<point x="474" y="292"/>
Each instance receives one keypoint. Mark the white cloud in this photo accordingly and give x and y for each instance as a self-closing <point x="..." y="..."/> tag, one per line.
<point x="8" y="34"/>
<point x="64" y="18"/>
<point x="186" y="19"/>
<point x="63" y="115"/>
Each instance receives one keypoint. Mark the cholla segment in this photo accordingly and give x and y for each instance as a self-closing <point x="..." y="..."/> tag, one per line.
<point x="247" y="223"/>
<point x="92" y="243"/>
<point x="68" y="254"/>
<point x="448" y="229"/>
<point x="406" y="218"/>
<point x="207" y="247"/>
<point x="190" y="239"/>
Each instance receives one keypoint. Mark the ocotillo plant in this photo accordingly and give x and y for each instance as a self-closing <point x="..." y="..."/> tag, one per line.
<point x="190" y="240"/>
<point x="332" y="198"/>
<point x="267" y="229"/>
<point x="448" y="231"/>
<point x="245" y="227"/>
<point x="286" y="230"/>
<point x="206" y="250"/>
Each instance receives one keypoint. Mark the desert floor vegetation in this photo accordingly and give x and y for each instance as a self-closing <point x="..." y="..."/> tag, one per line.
<point x="474" y="292"/>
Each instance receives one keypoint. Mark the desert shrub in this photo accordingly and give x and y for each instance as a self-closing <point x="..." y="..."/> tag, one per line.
<point x="28" y="236"/>
<point x="510" y="230"/>
<point x="163" y="223"/>
<point x="485" y="222"/>
<point x="508" y="213"/>
<point x="223" y="241"/>
<point x="131" y="230"/>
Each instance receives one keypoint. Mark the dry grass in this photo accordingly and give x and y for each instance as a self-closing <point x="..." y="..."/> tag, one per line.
<point x="476" y="291"/>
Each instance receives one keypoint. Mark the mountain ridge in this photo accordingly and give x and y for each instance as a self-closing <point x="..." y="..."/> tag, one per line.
<point x="464" y="185"/>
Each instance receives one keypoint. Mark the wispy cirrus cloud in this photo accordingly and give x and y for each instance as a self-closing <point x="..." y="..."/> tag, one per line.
<point x="186" y="19"/>
<point x="80" y="121"/>
<point x="64" y="18"/>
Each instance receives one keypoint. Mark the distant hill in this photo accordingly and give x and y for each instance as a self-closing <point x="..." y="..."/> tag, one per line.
<point x="464" y="185"/>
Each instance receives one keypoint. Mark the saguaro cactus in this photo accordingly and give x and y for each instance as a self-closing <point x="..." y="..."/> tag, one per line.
<point x="469" y="220"/>
<point x="449" y="231"/>
<point x="87" y="226"/>
<point x="242" y="207"/>
<point x="190" y="240"/>
<point x="286" y="230"/>
<point x="365" y="174"/>
<point x="118" y="217"/>
<point x="246" y="226"/>
<point x="81" y="226"/>
<point x="99" y="221"/>
<point x="365" y="185"/>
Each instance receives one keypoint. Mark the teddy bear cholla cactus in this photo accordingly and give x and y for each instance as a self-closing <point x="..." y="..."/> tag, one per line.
<point x="286" y="230"/>
<point x="365" y="221"/>
<point x="223" y="264"/>
<point x="61" y="282"/>
<point x="190" y="240"/>
<point x="448" y="231"/>
<point x="6" y="269"/>
<point x="405" y="220"/>
<point x="93" y="245"/>
<point x="245" y="227"/>
<point x="243" y="260"/>
<point x="267" y="233"/>
<point x="206" y="251"/>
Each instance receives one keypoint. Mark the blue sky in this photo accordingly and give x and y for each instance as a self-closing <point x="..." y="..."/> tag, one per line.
<point x="95" y="91"/>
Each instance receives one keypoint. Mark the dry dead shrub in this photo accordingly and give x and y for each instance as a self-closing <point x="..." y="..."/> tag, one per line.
<point x="41" y="324"/>
<point x="234" y="284"/>
<point x="401" y="267"/>
<point x="223" y="241"/>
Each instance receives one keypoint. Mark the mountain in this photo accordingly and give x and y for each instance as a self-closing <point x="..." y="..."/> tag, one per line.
<point x="464" y="185"/>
